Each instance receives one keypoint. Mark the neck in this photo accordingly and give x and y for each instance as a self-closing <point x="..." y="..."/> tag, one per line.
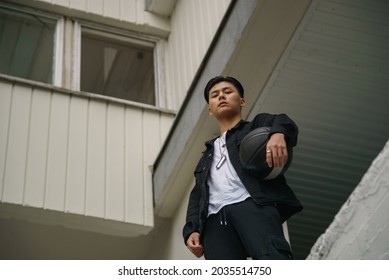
<point x="226" y="124"/>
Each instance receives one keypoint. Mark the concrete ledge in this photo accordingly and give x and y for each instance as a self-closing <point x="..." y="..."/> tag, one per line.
<point x="360" y="230"/>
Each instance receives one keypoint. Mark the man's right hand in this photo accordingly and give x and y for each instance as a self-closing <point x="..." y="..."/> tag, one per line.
<point x="193" y="244"/>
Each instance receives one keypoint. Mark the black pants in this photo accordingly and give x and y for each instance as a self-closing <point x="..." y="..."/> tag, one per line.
<point x="245" y="230"/>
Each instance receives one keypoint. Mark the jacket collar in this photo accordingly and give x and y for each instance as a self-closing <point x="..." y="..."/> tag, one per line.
<point x="209" y="143"/>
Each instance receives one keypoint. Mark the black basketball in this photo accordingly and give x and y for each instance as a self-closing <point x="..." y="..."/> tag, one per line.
<point x="252" y="154"/>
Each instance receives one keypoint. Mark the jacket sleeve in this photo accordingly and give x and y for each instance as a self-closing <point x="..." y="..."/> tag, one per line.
<point x="280" y="123"/>
<point x="192" y="223"/>
<point x="198" y="198"/>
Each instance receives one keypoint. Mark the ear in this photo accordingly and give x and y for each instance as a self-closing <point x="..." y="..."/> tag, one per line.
<point x="242" y="102"/>
<point x="209" y="111"/>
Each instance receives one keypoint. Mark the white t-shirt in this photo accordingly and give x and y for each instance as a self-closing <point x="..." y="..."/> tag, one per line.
<point x="225" y="187"/>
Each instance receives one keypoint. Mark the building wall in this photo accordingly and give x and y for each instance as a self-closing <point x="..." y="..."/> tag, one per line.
<point x="173" y="246"/>
<point x="126" y="13"/>
<point x="84" y="161"/>
<point x="184" y="37"/>
<point x="193" y="26"/>
<point x="361" y="228"/>
<point x="66" y="152"/>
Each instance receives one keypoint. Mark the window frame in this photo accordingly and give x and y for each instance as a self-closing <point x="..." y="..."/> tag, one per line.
<point x="58" y="41"/>
<point x="124" y="36"/>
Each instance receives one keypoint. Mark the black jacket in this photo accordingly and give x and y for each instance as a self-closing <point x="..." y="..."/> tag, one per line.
<point x="274" y="191"/>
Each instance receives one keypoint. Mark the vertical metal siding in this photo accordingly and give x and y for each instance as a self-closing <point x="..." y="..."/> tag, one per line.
<point x="193" y="26"/>
<point x="57" y="152"/>
<point x="16" y="145"/>
<point x="96" y="160"/>
<point x="5" y="108"/>
<point x="125" y="10"/>
<point x="77" y="155"/>
<point x="135" y="170"/>
<point x="37" y="148"/>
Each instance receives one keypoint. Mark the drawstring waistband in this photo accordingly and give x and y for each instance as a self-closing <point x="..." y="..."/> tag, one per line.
<point x="223" y="216"/>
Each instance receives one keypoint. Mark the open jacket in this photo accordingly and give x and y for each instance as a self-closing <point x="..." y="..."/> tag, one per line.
<point x="263" y="192"/>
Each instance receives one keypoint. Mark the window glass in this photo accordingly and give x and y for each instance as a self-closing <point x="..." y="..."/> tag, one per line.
<point x="117" y="68"/>
<point x="26" y="45"/>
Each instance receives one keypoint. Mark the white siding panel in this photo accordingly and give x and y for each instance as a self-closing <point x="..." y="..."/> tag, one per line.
<point x="95" y="6"/>
<point x="176" y="45"/>
<point x="78" y="155"/>
<point x="78" y="4"/>
<point x="187" y="46"/>
<point x="5" y="109"/>
<point x="204" y="24"/>
<point x="112" y="8"/>
<point x="128" y="11"/>
<point x="115" y="163"/>
<point x="37" y="148"/>
<point x="148" y="198"/>
<point x="76" y="161"/>
<point x="193" y="27"/>
<point x="64" y="3"/>
<point x="57" y="152"/>
<point x="15" y="166"/>
<point x="134" y="169"/>
<point x="96" y="151"/>
<point x="151" y="137"/>
<point x="139" y="8"/>
<point x="151" y="149"/>
<point x="196" y="44"/>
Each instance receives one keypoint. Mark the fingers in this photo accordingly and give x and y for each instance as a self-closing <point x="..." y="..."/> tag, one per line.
<point x="276" y="151"/>
<point x="198" y="253"/>
<point x="269" y="157"/>
<point x="194" y="246"/>
<point x="194" y="239"/>
<point x="196" y="250"/>
<point x="276" y="157"/>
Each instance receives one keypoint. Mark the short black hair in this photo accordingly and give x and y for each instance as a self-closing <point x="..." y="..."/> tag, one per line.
<point x="219" y="79"/>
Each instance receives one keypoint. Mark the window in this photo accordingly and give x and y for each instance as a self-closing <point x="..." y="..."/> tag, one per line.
<point x="97" y="59"/>
<point x="27" y="45"/>
<point x="117" y="66"/>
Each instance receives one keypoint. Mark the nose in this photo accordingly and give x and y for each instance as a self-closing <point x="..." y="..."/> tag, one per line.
<point x="222" y="95"/>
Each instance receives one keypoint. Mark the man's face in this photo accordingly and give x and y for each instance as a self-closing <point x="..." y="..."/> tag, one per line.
<point x="225" y="101"/>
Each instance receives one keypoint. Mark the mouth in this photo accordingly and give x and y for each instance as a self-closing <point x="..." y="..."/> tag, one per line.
<point x="223" y="103"/>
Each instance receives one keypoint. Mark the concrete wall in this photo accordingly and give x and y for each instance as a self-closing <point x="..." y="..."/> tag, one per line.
<point x="361" y="228"/>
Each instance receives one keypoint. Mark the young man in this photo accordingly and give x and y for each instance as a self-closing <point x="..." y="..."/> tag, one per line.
<point x="231" y="213"/>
